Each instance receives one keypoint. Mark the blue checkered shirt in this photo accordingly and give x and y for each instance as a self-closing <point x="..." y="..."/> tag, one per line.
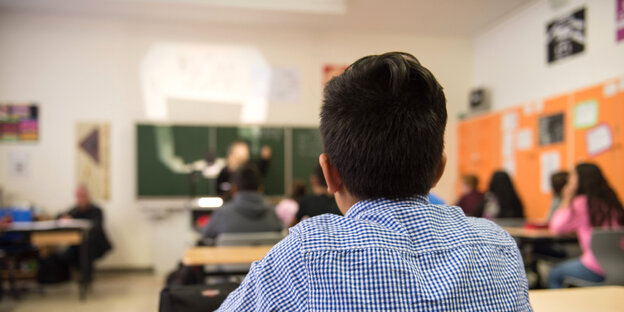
<point x="388" y="255"/>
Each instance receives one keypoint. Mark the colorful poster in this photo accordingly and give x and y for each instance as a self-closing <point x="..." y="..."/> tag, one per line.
<point x="92" y="159"/>
<point x="619" y="20"/>
<point x="19" y="123"/>
<point x="566" y="36"/>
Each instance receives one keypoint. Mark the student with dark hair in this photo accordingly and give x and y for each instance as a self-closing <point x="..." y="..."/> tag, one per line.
<point x="319" y="202"/>
<point x="501" y="200"/>
<point x="557" y="182"/>
<point x="247" y="211"/>
<point x="588" y="202"/>
<point x="382" y="124"/>
<point x="287" y="208"/>
<point x="471" y="197"/>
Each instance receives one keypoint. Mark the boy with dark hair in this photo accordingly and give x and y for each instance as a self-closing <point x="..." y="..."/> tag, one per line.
<point x="382" y="124"/>
<point x="557" y="181"/>
<point x="247" y="211"/>
<point x="471" y="198"/>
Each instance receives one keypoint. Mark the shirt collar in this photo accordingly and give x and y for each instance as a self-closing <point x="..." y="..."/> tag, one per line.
<point x="368" y="205"/>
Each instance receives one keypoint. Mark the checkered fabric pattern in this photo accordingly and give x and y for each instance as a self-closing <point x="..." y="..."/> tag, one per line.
<point x="388" y="255"/>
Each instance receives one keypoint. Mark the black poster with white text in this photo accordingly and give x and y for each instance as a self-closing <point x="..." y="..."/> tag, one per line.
<point x="566" y="36"/>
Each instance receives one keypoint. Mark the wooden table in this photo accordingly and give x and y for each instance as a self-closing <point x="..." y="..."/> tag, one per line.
<point x="59" y="233"/>
<point x="603" y="299"/>
<point x="224" y="255"/>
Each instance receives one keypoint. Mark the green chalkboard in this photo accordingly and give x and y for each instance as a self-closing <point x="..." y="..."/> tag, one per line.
<point x="306" y="148"/>
<point x="165" y="154"/>
<point x="154" y="177"/>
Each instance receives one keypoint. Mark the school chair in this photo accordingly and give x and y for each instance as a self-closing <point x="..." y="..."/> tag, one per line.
<point x="608" y="248"/>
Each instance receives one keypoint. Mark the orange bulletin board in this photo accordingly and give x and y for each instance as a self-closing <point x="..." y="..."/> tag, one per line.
<point x="593" y="130"/>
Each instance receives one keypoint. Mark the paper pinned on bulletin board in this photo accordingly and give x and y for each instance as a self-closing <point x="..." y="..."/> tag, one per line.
<point x="508" y="145"/>
<point x="509" y="122"/>
<point x="598" y="139"/>
<point x="509" y="166"/>
<point x="586" y="114"/>
<point x="550" y="162"/>
<point x="610" y="89"/>
<point x="524" y="139"/>
<point x="619" y="20"/>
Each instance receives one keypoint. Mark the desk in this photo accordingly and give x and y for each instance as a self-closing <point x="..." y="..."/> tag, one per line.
<point x="59" y="232"/>
<point x="603" y="299"/>
<point x="224" y="255"/>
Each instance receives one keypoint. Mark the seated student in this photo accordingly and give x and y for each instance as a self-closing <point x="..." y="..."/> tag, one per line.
<point x="238" y="155"/>
<point x="587" y="202"/>
<point x="247" y="211"/>
<point x="98" y="243"/>
<point x="287" y="208"/>
<point x="501" y="200"/>
<point x="319" y="202"/>
<point x="471" y="197"/>
<point x="557" y="182"/>
<point x="382" y="124"/>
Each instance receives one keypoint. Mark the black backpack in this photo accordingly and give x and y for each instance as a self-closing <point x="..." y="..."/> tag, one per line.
<point x="192" y="298"/>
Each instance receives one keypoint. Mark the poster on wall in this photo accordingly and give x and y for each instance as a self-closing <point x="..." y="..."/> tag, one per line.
<point x="551" y="129"/>
<point x="331" y="71"/>
<point x="19" y="122"/>
<point x="92" y="159"/>
<point x="619" y="20"/>
<point x="566" y="36"/>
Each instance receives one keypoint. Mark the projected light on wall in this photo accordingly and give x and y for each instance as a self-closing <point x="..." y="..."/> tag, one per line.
<point x="236" y="75"/>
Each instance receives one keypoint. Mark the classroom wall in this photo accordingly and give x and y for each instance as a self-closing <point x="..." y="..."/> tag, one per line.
<point x="86" y="68"/>
<point x="510" y="57"/>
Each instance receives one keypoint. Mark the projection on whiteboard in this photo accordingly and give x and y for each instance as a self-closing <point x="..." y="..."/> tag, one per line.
<point x="235" y="75"/>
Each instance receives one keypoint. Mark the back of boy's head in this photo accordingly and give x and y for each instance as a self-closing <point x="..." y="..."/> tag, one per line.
<point x="247" y="178"/>
<point x="558" y="181"/>
<point x="472" y="181"/>
<point x="382" y="124"/>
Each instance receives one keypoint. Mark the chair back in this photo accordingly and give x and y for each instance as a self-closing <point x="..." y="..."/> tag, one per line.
<point x="249" y="239"/>
<point x="608" y="248"/>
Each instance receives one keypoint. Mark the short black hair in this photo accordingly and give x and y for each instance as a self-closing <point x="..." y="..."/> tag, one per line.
<point x="558" y="180"/>
<point x="247" y="178"/>
<point x="382" y="124"/>
<point x="471" y="180"/>
<point x="320" y="177"/>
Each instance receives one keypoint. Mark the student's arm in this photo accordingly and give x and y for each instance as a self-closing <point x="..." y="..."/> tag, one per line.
<point x="569" y="217"/>
<point x="278" y="282"/>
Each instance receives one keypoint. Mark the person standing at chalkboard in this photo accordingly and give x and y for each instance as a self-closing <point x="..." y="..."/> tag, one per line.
<point x="238" y="155"/>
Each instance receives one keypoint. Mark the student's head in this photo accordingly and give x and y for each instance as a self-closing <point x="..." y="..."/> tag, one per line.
<point x="382" y="124"/>
<point x="319" y="185"/>
<point x="298" y="189"/>
<point x="82" y="196"/>
<point x="469" y="183"/>
<point x="247" y="178"/>
<point x="557" y="181"/>
<point x="602" y="201"/>
<point x="503" y="189"/>
<point x="238" y="154"/>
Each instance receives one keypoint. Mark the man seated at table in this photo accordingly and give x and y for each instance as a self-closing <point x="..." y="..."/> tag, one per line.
<point x="97" y="242"/>
<point x="247" y="211"/>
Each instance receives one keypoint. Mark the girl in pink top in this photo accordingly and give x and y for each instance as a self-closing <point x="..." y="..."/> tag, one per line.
<point x="588" y="202"/>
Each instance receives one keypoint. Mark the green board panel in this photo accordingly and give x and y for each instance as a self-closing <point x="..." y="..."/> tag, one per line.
<point x="306" y="148"/>
<point x="163" y="150"/>
<point x="154" y="176"/>
<point x="258" y="137"/>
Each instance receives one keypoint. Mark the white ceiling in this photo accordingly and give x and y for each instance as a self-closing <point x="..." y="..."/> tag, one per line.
<point x="427" y="17"/>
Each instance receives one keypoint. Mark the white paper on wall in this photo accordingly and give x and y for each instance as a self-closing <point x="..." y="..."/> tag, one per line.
<point x="19" y="164"/>
<point x="586" y="114"/>
<point x="524" y="139"/>
<point x="285" y="86"/>
<point x="509" y="166"/>
<point x="550" y="162"/>
<point x="508" y="144"/>
<point x="510" y="121"/>
<point x="598" y="139"/>
<point x="610" y="89"/>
